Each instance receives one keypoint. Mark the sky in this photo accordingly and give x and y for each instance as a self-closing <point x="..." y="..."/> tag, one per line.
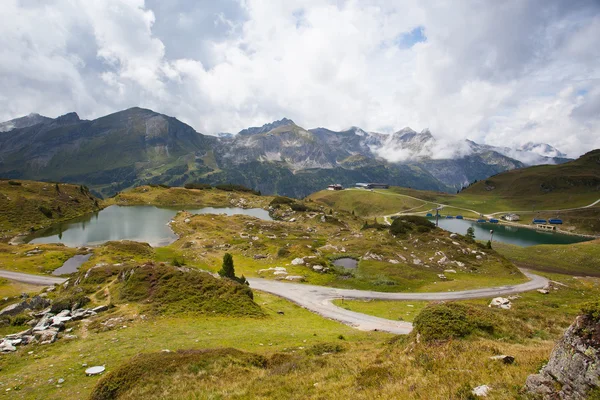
<point x="502" y="73"/>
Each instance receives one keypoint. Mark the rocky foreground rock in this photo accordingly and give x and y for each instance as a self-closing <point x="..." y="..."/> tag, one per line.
<point x="44" y="325"/>
<point x="573" y="370"/>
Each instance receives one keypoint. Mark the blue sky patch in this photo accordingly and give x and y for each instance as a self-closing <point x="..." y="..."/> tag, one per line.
<point x="407" y="40"/>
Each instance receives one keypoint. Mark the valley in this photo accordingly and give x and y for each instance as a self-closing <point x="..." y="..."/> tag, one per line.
<point x="172" y="317"/>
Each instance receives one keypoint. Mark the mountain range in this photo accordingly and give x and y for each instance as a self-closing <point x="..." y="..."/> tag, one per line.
<point x="139" y="146"/>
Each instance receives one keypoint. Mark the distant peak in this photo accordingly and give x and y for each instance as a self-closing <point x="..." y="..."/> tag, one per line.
<point x="266" y="127"/>
<point x="69" y="117"/>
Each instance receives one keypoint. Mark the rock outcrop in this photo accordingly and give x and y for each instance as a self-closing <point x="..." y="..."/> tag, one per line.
<point x="574" y="366"/>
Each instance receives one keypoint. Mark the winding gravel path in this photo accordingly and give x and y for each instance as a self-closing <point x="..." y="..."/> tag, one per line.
<point x="31" y="279"/>
<point x="319" y="300"/>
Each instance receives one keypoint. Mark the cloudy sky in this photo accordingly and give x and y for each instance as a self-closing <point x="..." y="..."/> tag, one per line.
<point x="498" y="72"/>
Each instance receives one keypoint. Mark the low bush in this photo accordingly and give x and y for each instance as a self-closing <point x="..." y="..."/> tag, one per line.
<point x="200" y="186"/>
<point x="592" y="310"/>
<point x="279" y="200"/>
<point x="14" y="183"/>
<point x="446" y="321"/>
<point x="69" y="302"/>
<point x="299" y="207"/>
<point x="46" y="211"/>
<point x="408" y="223"/>
<point x="324" y="348"/>
<point x="145" y="370"/>
<point x="228" y="187"/>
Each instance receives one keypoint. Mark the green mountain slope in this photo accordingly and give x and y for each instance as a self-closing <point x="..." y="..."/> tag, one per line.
<point x="26" y="205"/>
<point x="569" y="185"/>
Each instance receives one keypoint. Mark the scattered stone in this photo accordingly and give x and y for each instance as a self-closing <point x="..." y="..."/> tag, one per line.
<point x="478" y="257"/>
<point x="317" y="268"/>
<point x="416" y="261"/>
<point x="442" y="276"/>
<point x="543" y="291"/>
<point x="280" y="312"/>
<point x="259" y="256"/>
<point x="453" y="235"/>
<point x="481" y="391"/>
<point x="187" y="220"/>
<point x="449" y="271"/>
<point x="394" y="261"/>
<point x="298" y="261"/>
<point x="60" y="381"/>
<point x="100" y="309"/>
<point x="294" y="278"/>
<point x="95" y="370"/>
<point x="501" y="302"/>
<point x="443" y="260"/>
<point x="504" y="358"/>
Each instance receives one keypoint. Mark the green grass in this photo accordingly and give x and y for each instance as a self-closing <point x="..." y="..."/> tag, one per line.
<point x="178" y="196"/>
<point x="295" y="329"/>
<point x="574" y="259"/>
<point x="52" y="256"/>
<point x="394" y="310"/>
<point x="365" y="203"/>
<point x="33" y="205"/>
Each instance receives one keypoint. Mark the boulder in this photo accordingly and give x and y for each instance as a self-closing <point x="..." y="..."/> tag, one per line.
<point x="6" y="347"/>
<point x="504" y="358"/>
<point x="14" y="309"/>
<point x="100" y="309"/>
<point x="573" y="369"/>
<point x="501" y="302"/>
<point x="481" y="391"/>
<point x="39" y="302"/>
<point x="294" y="278"/>
<point x="298" y="261"/>
<point x="48" y="336"/>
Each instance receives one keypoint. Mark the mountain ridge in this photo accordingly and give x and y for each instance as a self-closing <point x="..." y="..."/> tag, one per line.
<point x="140" y="146"/>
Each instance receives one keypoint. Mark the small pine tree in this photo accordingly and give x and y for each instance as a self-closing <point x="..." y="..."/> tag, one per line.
<point x="330" y="211"/>
<point x="57" y="188"/>
<point x="471" y="233"/>
<point x="352" y="212"/>
<point x="227" y="270"/>
<point x="489" y="244"/>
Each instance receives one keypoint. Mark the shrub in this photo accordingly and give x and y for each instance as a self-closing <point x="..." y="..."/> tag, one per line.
<point x="592" y="310"/>
<point x="200" y="186"/>
<point x="46" y="211"/>
<point x="322" y="348"/>
<point x="14" y="183"/>
<point x="228" y="187"/>
<point x="279" y="200"/>
<point x="298" y="207"/>
<point x="446" y="321"/>
<point x="407" y="223"/>
<point x="283" y="252"/>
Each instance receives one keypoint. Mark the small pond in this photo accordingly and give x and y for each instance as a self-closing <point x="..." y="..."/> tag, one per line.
<point x="346" y="262"/>
<point x="508" y="233"/>
<point x="72" y="264"/>
<point x="140" y="223"/>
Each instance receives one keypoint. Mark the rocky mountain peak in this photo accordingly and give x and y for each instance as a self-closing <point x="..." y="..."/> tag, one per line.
<point x="69" y="117"/>
<point x="266" y="127"/>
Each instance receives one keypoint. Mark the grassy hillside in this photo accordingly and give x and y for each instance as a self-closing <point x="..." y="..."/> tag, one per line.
<point x="568" y="185"/>
<point x="178" y="196"/>
<point x="573" y="259"/>
<point x="412" y="261"/>
<point x="29" y="205"/>
<point x="365" y="203"/>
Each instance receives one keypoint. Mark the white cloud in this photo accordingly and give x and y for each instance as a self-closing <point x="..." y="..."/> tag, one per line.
<point x="504" y="73"/>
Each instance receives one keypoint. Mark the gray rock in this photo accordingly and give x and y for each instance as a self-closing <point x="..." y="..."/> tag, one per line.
<point x="574" y="366"/>
<point x="14" y="309"/>
<point x="48" y="336"/>
<point x="100" y="309"/>
<point x="39" y="302"/>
